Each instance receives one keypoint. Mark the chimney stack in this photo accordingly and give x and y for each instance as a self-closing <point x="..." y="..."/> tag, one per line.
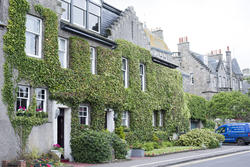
<point x="183" y="44"/>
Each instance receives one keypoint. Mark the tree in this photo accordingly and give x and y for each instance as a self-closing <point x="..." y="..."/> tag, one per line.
<point x="230" y="105"/>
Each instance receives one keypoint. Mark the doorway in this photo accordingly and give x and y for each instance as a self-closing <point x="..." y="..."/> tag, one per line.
<point x="60" y="128"/>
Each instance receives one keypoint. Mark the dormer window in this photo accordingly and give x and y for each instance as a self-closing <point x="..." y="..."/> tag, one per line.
<point x="83" y="13"/>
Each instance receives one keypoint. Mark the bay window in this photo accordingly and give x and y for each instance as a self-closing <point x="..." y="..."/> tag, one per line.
<point x="84" y="13"/>
<point x="33" y="36"/>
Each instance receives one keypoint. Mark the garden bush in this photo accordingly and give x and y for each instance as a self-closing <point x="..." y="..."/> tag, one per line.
<point x="120" y="146"/>
<point x="200" y="137"/>
<point x="167" y="144"/>
<point x="94" y="147"/>
<point x="91" y="147"/>
<point x="148" y="146"/>
<point x="161" y="135"/>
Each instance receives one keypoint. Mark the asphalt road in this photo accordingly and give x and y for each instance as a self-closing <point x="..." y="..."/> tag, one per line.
<point x="241" y="159"/>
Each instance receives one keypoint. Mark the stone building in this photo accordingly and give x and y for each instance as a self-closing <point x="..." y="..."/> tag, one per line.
<point x="206" y="75"/>
<point x="246" y="84"/>
<point x="96" y="25"/>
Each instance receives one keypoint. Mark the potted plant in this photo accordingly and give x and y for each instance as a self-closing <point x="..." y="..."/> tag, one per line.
<point x="57" y="149"/>
<point x="137" y="150"/>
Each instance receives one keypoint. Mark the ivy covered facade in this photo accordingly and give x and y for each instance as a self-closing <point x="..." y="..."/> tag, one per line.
<point x="64" y="73"/>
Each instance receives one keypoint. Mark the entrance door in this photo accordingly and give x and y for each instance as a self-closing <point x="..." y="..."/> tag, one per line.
<point x="60" y="128"/>
<point x="110" y="123"/>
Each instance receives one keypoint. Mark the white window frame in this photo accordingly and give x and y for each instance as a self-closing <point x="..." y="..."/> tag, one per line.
<point x="28" y="98"/>
<point x="125" y="71"/>
<point x="69" y="10"/>
<point x="82" y="116"/>
<point x="125" y="116"/>
<point x="153" y="119"/>
<point x="65" y="51"/>
<point x="142" y="77"/>
<point x="87" y="14"/>
<point x="160" y="119"/>
<point x="44" y="100"/>
<point x="93" y="60"/>
<point x="40" y="38"/>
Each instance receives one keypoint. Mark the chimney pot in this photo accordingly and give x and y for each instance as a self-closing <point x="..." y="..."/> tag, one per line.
<point x="219" y="51"/>
<point x="227" y="48"/>
<point x="186" y="39"/>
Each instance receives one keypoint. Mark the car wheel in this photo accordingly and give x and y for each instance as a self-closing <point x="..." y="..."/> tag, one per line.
<point x="240" y="142"/>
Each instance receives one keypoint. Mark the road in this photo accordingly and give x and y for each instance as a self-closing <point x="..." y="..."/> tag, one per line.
<point x="241" y="159"/>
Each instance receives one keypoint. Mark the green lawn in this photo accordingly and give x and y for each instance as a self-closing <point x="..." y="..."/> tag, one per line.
<point x="167" y="150"/>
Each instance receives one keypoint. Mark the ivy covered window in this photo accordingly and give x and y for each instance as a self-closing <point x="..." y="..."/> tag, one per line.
<point x="41" y="104"/>
<point x="62" y="51"/>
<point x="160" y="118"/>
<point x="125" y="72"/>
<point x="93" y="60"/>
<point x="84" y="115"/>
<point x="125" y="118"/>
<point x="154" y="118"/>
<point x="84" y="13"/>
<point x="22" y="97"/>
<point x="33" y="36"/>
<point x="142" y="76"/>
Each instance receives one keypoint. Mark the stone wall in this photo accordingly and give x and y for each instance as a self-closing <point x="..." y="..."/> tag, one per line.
<point x="8" y="140"/>
<point x="129" y="28"/>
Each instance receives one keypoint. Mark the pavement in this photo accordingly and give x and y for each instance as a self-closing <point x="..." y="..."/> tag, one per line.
<point x="171" y="159"/>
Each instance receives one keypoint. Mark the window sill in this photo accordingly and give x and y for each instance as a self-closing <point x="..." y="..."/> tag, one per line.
<point x="2" y="24"/>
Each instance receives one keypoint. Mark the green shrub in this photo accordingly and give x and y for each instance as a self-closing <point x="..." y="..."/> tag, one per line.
<point x="157" y="145"/>
<point x="162" y="135"/>
<point x="91" y="147"/>
<point x="120" y="132"/>
<point x="209" y="124"/>
<point x="148" y="146"/>
<point x="119" y="146"/>
<point x="200" y="137"/>
<point x="167" y="144"/>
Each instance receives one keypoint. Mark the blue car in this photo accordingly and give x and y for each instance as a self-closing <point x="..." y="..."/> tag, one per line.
<point x="235" y="133"/>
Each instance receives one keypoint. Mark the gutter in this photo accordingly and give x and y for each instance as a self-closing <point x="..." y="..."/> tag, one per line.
<point x="88" y="34"/>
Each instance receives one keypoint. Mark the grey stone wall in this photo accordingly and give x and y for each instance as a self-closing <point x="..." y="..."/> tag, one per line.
<point x="128" y="27"/>
<point x="192" y="67"/>
<point x="8" y="140"/>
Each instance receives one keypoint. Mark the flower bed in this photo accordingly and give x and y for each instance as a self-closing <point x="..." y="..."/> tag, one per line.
<point x="169" y="150"/>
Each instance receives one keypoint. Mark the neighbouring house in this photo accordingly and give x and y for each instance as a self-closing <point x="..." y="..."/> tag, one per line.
<point x="206" y="75"/>
<point x="246" y="84"/>
<point x="63" y="69"/>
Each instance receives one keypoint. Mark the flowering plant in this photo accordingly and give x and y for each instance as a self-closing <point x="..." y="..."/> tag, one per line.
<point x="21" y="109"/>
<point x="58" y="147"/>
<point x="39" y="110"/>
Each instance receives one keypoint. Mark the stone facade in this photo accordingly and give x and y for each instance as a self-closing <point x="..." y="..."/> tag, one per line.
<point x="8" y="140"/>
<point x="129" y="28"/>
<point x="208" y="74"/>
<point x="246" y="85"/>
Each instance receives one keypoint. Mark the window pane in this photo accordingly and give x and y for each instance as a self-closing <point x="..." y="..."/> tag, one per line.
<point x="124" y="62"/>
<point x="80" y="3"/>
<point x="141" y="69"/>
<point x="94" y="9"/>
<point x="40" y="104"/>
<point x="79" y="16"/>
<point x="65" y="14"/>
<point x="30" y="46"/>
<point x="24" y="102"/>
<point x="33" y="24"/>
<point x="93" y="22"/>
<point x="98" y="2"/>
<point x="83" y="120"/>
<point x="62" y="59"/>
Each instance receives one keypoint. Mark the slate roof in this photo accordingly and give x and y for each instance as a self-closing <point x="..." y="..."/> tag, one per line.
<point x="200" y="58"/>
<point x="236" y="67"/>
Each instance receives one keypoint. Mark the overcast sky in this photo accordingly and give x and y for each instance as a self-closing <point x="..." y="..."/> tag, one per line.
<point x="209" y="24"/>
